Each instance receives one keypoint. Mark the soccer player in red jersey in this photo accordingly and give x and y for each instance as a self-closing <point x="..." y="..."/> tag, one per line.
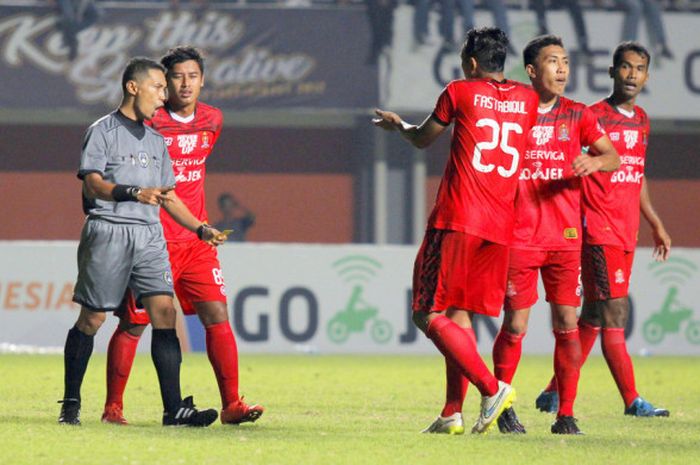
<point x="462" y="264"/>
<point x="191" y="128"/>
<point x="611" y="205"/>
<point x="547" y="234"/>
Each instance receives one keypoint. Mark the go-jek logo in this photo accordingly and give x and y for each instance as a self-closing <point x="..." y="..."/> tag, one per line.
<point x="357" y="314"/>
<point x="674" y="273"/>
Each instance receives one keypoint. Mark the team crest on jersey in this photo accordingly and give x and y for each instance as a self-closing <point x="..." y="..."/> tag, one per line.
<point x="614" y="136"/>
<point x="168" y="277"/>
<point x="542" y="134"/>
<point x="570" y="233"/>
<point x="563" y="132"/>
<point x="631" y="138"/>
<point x="619" y="276"/>
<point x="168" y="141"/>
<point x="143" y="159"/>
<point x="187" y="143"/>
<point x="205" y="140"/>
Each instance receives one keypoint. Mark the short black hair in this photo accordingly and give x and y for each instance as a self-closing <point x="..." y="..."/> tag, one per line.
<point x="138" y="66"/>
<point x="533" y="48"/>
<point x="630" y="46"/>
<point x="181" y="54"/>
<point x="489" y="46"/>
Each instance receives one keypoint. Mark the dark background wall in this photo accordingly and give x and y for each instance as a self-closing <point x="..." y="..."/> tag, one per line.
<point x="301" y="183"/>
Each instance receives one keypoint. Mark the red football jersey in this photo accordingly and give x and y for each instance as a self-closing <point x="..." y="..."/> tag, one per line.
<point x="548" y="202"/>
<point x="491" y="123"/>
<point x="611" y="200"/>
<point x="189" y="145"/>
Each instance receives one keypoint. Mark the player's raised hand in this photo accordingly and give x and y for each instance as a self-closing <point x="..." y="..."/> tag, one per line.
<point x="585" y="164"/>
<point x="662" y="241"/>
<point x="213" y="236"/>
<point x="386" y="120"/>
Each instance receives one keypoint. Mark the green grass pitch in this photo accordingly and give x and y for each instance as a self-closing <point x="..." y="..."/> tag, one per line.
<point x="333" y="410"/>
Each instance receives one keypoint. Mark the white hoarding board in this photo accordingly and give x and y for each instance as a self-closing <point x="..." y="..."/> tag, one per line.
<point x="332" y="299"/>
<point x="418" y="74"/>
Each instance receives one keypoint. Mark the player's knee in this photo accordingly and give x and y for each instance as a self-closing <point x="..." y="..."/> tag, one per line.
<point x="89" y="322"/>
<point x="616" y="313"/>
<point x="420" y="319"/>
<point x="211" y="313"/>
<point x="515" y="322"/>
<point x="134" y="330"/>
<point x="564" y="317"/>
<point x="162" y="316"/>
<point x="590" y="314"/>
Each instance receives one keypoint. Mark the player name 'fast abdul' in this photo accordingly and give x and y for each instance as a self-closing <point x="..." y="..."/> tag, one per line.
<point x="502" y="106"/>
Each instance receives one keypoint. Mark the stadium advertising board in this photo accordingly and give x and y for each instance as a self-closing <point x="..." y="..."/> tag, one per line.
<point x="673" y="90"/>
<point x="331" y="299"/>
<point x="261" y="58"/>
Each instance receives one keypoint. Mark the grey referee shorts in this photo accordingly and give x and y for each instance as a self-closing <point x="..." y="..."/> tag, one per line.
<point x="112" y="257"/>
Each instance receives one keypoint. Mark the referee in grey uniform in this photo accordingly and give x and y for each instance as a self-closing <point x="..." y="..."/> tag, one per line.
<point x="127" y="176"/>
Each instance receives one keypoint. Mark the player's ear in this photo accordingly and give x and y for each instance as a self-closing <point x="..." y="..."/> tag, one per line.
<point x="132" y="87"/>
<point x="530" y="70"/>
<point x="611" y="72"/>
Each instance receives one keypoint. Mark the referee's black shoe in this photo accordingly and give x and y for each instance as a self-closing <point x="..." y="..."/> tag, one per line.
<point x="188" y="415"/>
<point x="508" y="422"/>
<point x="70" y="412"/>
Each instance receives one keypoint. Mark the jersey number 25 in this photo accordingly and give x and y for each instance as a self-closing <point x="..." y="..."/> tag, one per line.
<point x="502" y="133"/>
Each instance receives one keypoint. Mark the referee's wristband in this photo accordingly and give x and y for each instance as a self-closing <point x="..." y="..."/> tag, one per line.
<point x="200" y="230"/>
<point x="125" y="193"/>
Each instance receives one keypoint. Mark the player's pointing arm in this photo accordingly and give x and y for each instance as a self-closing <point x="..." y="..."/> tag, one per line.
<point x="420" y="136"/>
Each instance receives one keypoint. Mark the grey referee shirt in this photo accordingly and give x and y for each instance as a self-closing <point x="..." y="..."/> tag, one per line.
<point x="124" y="151"/>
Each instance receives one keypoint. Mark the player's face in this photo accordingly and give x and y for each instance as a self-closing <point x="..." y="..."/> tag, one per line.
<point x="631" y="75"/>
<point x="150" y="94"/>
<point x="185" y="81"/>
<point x="550" y="72"/>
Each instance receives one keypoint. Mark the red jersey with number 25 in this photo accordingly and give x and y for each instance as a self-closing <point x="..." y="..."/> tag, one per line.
<point x="548" y="203"/>
<point x="611" y="200"/>
<point x="491" y="123"/>
<point x="189" y="145"/>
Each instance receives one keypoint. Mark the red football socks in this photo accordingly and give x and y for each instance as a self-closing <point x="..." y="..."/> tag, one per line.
<point x="619" y="362"/>
<point x="457" y="383"/>
<point x="507" y="349"/>
<point x="450" y="339"/>
<point x="567" y="367"/>
<point x="223" y="355"/>
<point x="587" y="334"/>
<point x="120" y="358"/>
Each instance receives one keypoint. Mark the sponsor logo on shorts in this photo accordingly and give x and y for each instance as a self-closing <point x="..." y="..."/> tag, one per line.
<point x="143" y="159"/>
<point x="619" y="276"/>
<point x="222" y="289"/>
<point x="168" y="277"/>
<point x="510" y="289"/>
<point x="570" y="233"/>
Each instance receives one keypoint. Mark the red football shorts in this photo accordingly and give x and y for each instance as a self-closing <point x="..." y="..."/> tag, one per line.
<point x="458" y="270"/>
<point x="605" y="271"/>
<point x="197" y="277"/>
<point x="561" y="275"/>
